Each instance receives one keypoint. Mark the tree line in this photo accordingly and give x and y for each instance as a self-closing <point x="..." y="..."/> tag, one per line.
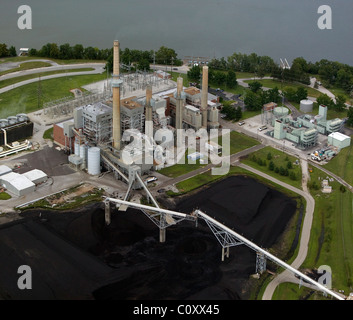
<point x="331" y="73"/>
<point x="7" y="52"/>
<point x="215" y="77"/>
<point x="138" y="59"/>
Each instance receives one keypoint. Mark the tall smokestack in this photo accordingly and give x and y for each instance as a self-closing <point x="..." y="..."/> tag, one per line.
<point x="204" y="96"/>
<point x="149" y="119"/>
<point x="116" y="97"/>
<point x="179" y="105"/>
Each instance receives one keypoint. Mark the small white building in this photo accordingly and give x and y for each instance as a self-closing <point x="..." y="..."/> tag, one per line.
<point x="17" y="184"/>
<point x="23" y="52"/>
<point x="339" y="140"/>
<point x="4" y="170"/>
<point x="195" y="156"/>
<point x="36" y="176"/>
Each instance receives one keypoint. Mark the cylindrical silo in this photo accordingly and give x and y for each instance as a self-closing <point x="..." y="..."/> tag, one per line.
<point x="306" y="106"/>
<point x="94" y="161"/>
<point x="77" y="148"/>
<point x="83" y="152"/>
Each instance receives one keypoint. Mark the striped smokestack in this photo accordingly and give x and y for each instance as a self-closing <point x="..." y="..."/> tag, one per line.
<point x="204" y="96"/>
<point x="116" y="97"/>
<point x="149" y="119"/>
<point x="179" y="105"/>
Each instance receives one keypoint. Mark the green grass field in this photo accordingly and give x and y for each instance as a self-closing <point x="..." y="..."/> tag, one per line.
<point x="180" y="169"/>
<point x="9" y="82"/>
<point x="25" y="99"/>
<point x="332" y="233"/>
<point x="48" y="134"/>
<point x="268" y="83"/>
<point x="27" y="66"/>
<point x="280" y="159"/>
<point x="4" y="196"/>
<point x="61" y="62"/>
<point x="239" y="142"/>
<point x="331" y="238"/>
<point x="342" y="164"/>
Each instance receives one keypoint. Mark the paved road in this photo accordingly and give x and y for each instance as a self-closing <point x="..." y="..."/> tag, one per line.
<point x="13" y="65"/>
<point x="339" y="179"/>
<point x="98" y="69"/>
<point x="288" y="276"/>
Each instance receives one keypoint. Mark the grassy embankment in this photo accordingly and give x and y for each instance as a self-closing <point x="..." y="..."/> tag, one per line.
<point x="280" y="159"/>
<point x="70" y="199"/>
<point x="330" y="240"/>
<point x="9" y="82"/>
<point x="27" y="66"/>
<point x="25" y="99"/>
<point x="58" y="61"/>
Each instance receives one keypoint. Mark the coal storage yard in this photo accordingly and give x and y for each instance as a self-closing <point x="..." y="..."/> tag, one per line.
<point x="74" y="255"/>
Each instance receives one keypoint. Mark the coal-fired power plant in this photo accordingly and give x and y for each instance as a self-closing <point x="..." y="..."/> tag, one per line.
<point x="141" y="106"/>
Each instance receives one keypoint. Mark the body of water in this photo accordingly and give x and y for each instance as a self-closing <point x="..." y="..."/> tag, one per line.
<point x="277" y="28"/>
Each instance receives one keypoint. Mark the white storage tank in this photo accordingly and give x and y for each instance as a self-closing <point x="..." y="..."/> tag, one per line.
<point x="306" y="106"/>
<point x="83" y="152"/>
<point x="94" y="161"/>
<point x="77" y="148"/>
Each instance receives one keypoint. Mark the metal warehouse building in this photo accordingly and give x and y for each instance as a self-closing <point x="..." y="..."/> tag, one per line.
<point x="4" y="170"/>
<point x="17" y="184"/>
<point x="36" y="176"/>
<point x="339" y="140"/>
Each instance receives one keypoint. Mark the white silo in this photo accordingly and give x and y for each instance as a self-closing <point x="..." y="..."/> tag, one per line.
<point x="94" y="161"/>
<point x="77" y="148"/>
<point x="306" y="106"/>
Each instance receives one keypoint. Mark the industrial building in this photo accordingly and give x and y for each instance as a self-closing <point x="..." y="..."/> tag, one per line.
<point x="303" y="131"/>
<point x="15" y="128"/>
<point x="339" y="140"/>
<point x="21" y="184"/>
<point x="17" y="184"/>
<point x="94" y="137"/>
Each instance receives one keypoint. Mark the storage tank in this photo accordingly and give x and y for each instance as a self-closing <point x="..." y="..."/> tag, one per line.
<point x="83" y="152"/>
<point x="12" y="120"/>
<point x="281" y="112"/>
<point x="94" y="161"/>
<point x="77" y="148"/>
<point x="306" y="106"/>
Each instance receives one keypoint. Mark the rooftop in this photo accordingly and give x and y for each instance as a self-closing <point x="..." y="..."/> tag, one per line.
<point x="192" y="91"/>
<point x="97" y="109"/>
<point x="130" y="103"/>
<point x="4" y="170"/>
<point x="339" y="136"/>
<point x="34" y="175"/>
<point x="19" y="181"/>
